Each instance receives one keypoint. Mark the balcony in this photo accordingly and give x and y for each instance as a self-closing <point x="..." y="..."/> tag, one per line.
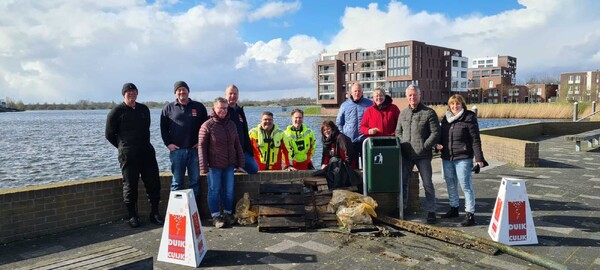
<point x="363" y="69"/>
<point x="372" y="57"/>
<point x="326" y="81"/>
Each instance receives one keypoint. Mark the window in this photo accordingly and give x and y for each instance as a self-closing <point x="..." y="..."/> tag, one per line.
<point x="455" y="63"/>
<point x="491" y="84"/>
<point x="354" y="66"/>
<point x="476" y="72"/>
<point x="346" y="77"/>
<point x="463" y="74"/>
<point x="463" y="64"/>
<point x="577" y="79"/>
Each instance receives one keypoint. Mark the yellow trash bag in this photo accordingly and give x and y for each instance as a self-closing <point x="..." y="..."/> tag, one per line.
<point x="357" y="214"/>
<point x="352" y="208"/>
<point x="347" y="198"/>
<point x="245" y="213"/>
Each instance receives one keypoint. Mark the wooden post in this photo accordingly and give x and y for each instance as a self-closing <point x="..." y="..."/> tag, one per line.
<point x="575" y="106"/>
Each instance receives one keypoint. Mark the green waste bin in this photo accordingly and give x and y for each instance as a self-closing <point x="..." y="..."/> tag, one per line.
<point x="382" y="166"/>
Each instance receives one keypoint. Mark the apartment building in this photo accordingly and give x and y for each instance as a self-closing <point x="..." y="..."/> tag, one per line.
<point x="495" y="74"/>
<point x="541" y="92"/>
<point x="580" y="86"/>
<point x="438" y="71"/>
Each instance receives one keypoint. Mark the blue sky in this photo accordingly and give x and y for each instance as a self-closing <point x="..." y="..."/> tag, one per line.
<point x="64" y="50"/>
<point x="321" y="19"/>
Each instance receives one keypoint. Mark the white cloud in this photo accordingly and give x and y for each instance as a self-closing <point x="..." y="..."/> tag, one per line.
<point x="556" y="35"/>
<point x="62" y="50"/>
<point x="274" y="10"/>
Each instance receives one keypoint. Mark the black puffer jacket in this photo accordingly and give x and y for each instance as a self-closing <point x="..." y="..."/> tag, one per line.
<point x="461" y="138"/>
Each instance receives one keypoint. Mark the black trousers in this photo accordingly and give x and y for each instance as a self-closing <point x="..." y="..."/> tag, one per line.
<point x="135" y="162"/>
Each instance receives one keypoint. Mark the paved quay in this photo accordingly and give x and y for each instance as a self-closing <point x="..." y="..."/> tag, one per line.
<point x="564" y="194"/>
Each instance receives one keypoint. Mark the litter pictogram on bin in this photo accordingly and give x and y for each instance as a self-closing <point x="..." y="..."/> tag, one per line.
<point x="378" y="159"/>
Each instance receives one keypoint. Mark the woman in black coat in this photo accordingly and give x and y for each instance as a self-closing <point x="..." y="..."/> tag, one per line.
<point x="460" y="143"/>
<point x="337" y="158"/>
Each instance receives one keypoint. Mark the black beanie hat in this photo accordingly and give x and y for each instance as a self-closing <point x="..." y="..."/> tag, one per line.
<point x="180" y="84"/>
<point x="128" y="86"/>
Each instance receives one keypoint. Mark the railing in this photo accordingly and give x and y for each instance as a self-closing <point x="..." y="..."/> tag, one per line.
<point x="575" y="112"/>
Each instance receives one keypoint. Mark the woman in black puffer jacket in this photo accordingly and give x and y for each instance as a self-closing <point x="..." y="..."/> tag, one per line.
<point x="460" y="143"/>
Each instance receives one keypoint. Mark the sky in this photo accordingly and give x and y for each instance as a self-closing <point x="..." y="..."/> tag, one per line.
<point x="64" y="51"/>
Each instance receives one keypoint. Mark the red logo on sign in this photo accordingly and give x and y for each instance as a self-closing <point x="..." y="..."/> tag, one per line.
<point x="176" y="248"/>
<point x="498" y="208"/>
<point x="517" y="221"/>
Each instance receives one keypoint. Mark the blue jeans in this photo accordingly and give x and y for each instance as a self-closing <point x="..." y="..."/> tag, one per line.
<point x="425" y="170"/>
<point x="459" y="171"/>
<point x="220" y="190"/>
<point x="181" y="160"/>
<point x="251" y="165"/>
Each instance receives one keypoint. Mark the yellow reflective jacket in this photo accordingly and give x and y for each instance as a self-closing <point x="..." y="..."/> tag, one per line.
<point x="269" y="151"/>
<point x="300" y="144"/>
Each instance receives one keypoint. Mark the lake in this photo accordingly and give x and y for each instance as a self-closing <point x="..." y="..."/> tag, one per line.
<point x="39" y="147"/>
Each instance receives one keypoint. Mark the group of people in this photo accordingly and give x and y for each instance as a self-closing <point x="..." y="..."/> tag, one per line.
<point x="219" y="143"/>
<point x="420" y="133"/>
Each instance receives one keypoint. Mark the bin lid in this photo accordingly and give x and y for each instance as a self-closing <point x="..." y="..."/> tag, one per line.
<point x="384" y="141"/>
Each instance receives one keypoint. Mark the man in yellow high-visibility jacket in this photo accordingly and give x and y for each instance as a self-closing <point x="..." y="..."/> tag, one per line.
<point x="268" y="144"/>
<point x="300" y="143"/>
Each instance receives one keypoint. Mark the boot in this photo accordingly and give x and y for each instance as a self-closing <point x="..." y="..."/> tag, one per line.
<point x="452" y="213"/>
<point x="469" y="220"/>
<point x="134" y="220"/>
<point x="154" y="215"/>
<point x="431" y="218"/>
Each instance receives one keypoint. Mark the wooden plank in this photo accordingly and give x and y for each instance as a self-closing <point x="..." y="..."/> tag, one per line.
<point x="280" y="188"/>
<point x="313" y="181"/>
<point x="281" y="222"/>
<point x="317" y="200"/>
<point x="281" y="210"/>
<point x="269" y="199"/>
<point x="116" y="256"/>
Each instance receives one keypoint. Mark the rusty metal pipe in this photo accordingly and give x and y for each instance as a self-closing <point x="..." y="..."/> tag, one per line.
<point x="468" y="241"/>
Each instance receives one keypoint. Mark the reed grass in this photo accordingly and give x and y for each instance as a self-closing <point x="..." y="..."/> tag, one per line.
<point x="526" y="110"/>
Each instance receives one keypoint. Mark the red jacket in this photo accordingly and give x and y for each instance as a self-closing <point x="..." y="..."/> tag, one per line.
<point x="219" y="144"/>
<point x="383" y="117"/>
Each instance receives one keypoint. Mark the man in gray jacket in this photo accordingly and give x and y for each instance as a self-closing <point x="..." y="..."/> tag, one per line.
<point x="419" y="130"/>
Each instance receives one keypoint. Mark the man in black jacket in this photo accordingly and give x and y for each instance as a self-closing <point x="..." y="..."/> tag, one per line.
<point x="237" y="115"/>
<point x="128" y="129"/>
<point x="180" y="122"/>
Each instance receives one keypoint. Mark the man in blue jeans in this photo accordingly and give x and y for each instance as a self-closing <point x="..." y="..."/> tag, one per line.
<point x="180" y="122"/>
<point x="237" y="115"/>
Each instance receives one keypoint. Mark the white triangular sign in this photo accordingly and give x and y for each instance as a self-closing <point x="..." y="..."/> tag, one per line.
<point x="512" y="222"/>
<point x="182" y="240"/>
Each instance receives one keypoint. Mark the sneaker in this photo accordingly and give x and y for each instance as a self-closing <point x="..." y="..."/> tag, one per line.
<point x="469" y="220"/>
<point x="431" y="219"/>
<point x="218" y="222"/>
<point x="452" y="213"/>
<point x="228" y="219"/>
